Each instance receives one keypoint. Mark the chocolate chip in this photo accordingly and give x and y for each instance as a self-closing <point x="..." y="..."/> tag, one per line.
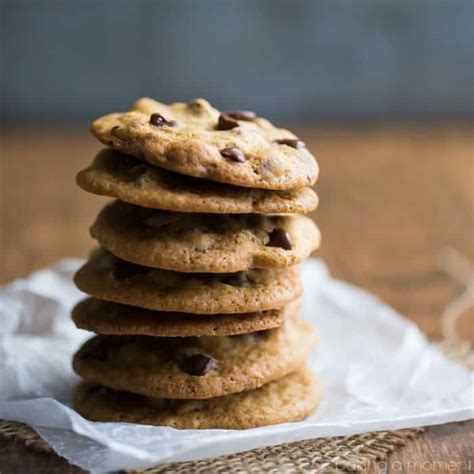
<point x="125" y="270"/>
<point x="234" y="154"/>
<point x="94" y="352"/>
<point x="294" y="143"/>
<point x="198" y="364"/>
<point x="159" y="121"/>
<point x="279" y="238"/>
<point x="238" y="279"/>
<point x="226" y="122"/>
<point x="246" y="115"/>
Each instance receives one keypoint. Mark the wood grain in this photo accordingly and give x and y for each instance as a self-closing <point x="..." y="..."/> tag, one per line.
<point x="444" y="448"/>
<point x="393" y="198"/>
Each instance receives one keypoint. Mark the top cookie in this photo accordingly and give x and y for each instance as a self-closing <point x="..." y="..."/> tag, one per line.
<point x="196" y="140"/>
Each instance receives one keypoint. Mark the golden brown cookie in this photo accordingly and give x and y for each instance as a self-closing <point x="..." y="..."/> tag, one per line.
<point x="103" y="317"/>
<point x="195" y="139"/>
<point x="290" y="398"/>
<point x="137" y="182"/>
<point x="195" y="367"/>
<point x="112" y="279"/>
<point x="204" y="242"/>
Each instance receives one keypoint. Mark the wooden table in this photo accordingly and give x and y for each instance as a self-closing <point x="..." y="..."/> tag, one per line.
<point x="393" y="199"/>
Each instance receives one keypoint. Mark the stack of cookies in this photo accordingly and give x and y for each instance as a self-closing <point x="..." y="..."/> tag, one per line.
<point x="194" y="288"/>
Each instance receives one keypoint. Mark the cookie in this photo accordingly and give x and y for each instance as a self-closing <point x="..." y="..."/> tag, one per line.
<point x="194" y="139"/>
<point x="112" y="279"/>
<point x="204" y="242"/>
<point x="134" y="181"/>
<point x="291" y="398"/>
<point x="195" y="367"/>
<point x="103" y="317"/>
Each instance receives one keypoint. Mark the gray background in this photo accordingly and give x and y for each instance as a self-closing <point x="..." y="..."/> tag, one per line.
<point x="69" y="61"/>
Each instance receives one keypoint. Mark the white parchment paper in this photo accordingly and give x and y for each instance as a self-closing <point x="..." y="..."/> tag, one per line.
<point x="379" y="370"/>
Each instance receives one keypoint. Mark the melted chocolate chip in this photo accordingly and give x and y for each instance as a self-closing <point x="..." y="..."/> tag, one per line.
<point x="246" y="115"/>
<point x="94" y="352"/>
<point x="279" y="238"/>
<point x="198" y="364"/>
<point x="239" y="279"/>
<point x="294" y="143"/>
<point x="234" y="154"/>
<point x="226" y="122"/>
<point x="124" y="270"/>
<point x="159" y="121"/>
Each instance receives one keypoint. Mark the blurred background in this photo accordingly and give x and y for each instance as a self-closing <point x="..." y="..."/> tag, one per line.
<point x="380" y="90"/>
<point x="67" y="62"/>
